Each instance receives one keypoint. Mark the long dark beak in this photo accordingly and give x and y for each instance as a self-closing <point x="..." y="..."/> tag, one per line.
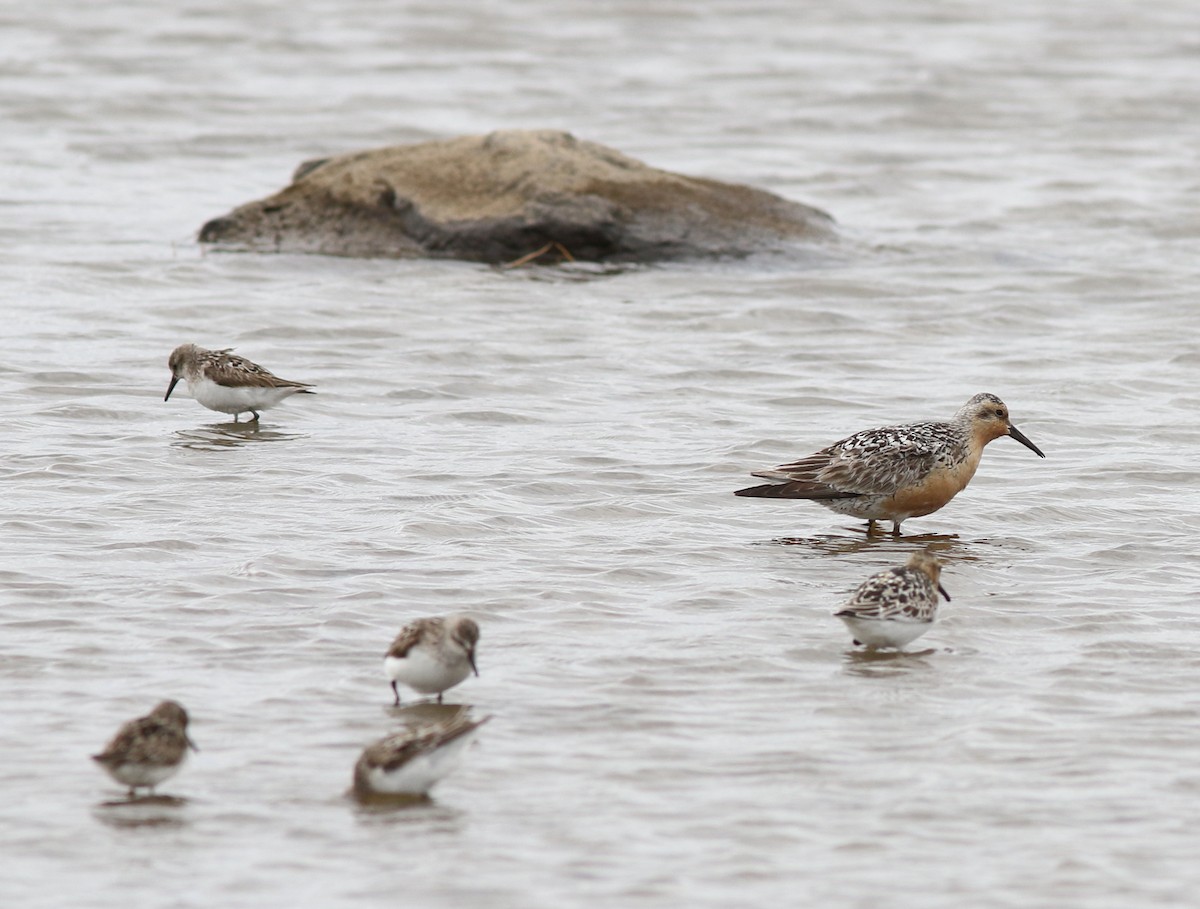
<point x="171" y="387"/>
<point x="191" y="744"/>
<point x="942" y="591"/>
<point x="1020" y="437"/>
<point x="471" y="660"/>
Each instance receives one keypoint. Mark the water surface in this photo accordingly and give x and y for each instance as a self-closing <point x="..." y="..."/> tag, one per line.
<point x="678" y="719"/>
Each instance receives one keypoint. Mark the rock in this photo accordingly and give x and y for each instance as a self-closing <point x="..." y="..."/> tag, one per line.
<point x="509" y="195"/>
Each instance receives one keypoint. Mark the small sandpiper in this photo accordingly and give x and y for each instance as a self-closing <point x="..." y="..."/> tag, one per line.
<point x="896" y="606"/>
<point x="895" y="472"/>
<point x="227" y="383"/>
<point x="433" y="654"/>
<point x="148" y="750"/>
<point x="409" y="762"/>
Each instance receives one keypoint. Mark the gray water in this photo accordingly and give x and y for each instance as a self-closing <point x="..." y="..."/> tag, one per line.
<point x="678" y="720"/>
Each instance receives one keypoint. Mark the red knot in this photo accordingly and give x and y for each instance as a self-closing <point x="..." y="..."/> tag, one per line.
<point x="895" y="472"/>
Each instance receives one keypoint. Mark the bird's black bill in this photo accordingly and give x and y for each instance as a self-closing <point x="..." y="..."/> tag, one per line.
<point x="471" y="660"/>
<point x="942" y="591"/>
<point x="171" y="387"/>
<point x="191" y="744"/>
<point x="1020" y="437"/>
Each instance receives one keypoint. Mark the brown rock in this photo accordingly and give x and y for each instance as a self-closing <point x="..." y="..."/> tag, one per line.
<point x="503" y="196"/>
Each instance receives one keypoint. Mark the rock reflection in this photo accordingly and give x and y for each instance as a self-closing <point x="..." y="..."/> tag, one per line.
<point x="569" y="271"/>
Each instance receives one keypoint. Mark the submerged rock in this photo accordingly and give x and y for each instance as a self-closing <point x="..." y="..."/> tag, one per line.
<point x="507" y="196"/>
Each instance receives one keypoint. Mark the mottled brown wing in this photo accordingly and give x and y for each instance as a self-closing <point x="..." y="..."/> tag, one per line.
<point x="391" y="752"/>
<point x="898" y="593"/>
<point x="229" y="369"/>
<point x="410" y="635"/>
<point x="873" y="462"/>
<point x="867" y="597"/>
<point x="399" y="749"/>
<point x="798" y="480"/>
<point x="144" y="741"/>
<point x="878" y="470"/>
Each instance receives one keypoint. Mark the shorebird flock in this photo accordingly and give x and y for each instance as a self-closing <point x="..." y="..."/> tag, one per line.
<point x="892" y="473"/>
<point x="430" y="655"/>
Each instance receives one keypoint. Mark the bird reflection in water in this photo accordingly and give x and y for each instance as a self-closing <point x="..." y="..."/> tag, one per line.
<point x="145" y="811"/>
<point x="217" y="436"/>
<point x="889" y="663"/>
<point x="944" y="544"/>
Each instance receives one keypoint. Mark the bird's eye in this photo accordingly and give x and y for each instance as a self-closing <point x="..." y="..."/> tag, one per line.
<point x="1000" y="414"/>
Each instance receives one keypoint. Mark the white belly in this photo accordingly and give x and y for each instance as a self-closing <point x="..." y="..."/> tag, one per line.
<point x="237" y="398"/>
<point x="421" y="672"/>
<point x="143" y="774"/>
<point x="885" y="632"/>
<point x="417" y="776"/>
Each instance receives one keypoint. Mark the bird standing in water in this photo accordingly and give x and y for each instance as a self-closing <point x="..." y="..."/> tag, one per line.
<point x="227" y="383"/>
<point x="896" y="606"/>
<point x="895" y="472"/>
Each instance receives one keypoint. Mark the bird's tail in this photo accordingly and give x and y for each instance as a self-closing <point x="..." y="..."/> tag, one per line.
<point x="794" y="490"/>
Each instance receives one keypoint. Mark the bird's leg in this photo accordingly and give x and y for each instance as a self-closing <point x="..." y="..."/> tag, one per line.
<point x="895" y="528"/>
<point x="439" y="697"/>
<point x="396" y="691"/>
<point x="254" y="416"/>
<point x="235" y="417"/>
<point x="870" y="525"/>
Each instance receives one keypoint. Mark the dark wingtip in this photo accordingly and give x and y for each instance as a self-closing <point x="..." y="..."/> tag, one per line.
<point x="794" y="489"/>
<point x="768" y="491"/>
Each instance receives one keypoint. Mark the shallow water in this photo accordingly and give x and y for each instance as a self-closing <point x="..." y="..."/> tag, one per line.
<point x="678" y="719"/>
